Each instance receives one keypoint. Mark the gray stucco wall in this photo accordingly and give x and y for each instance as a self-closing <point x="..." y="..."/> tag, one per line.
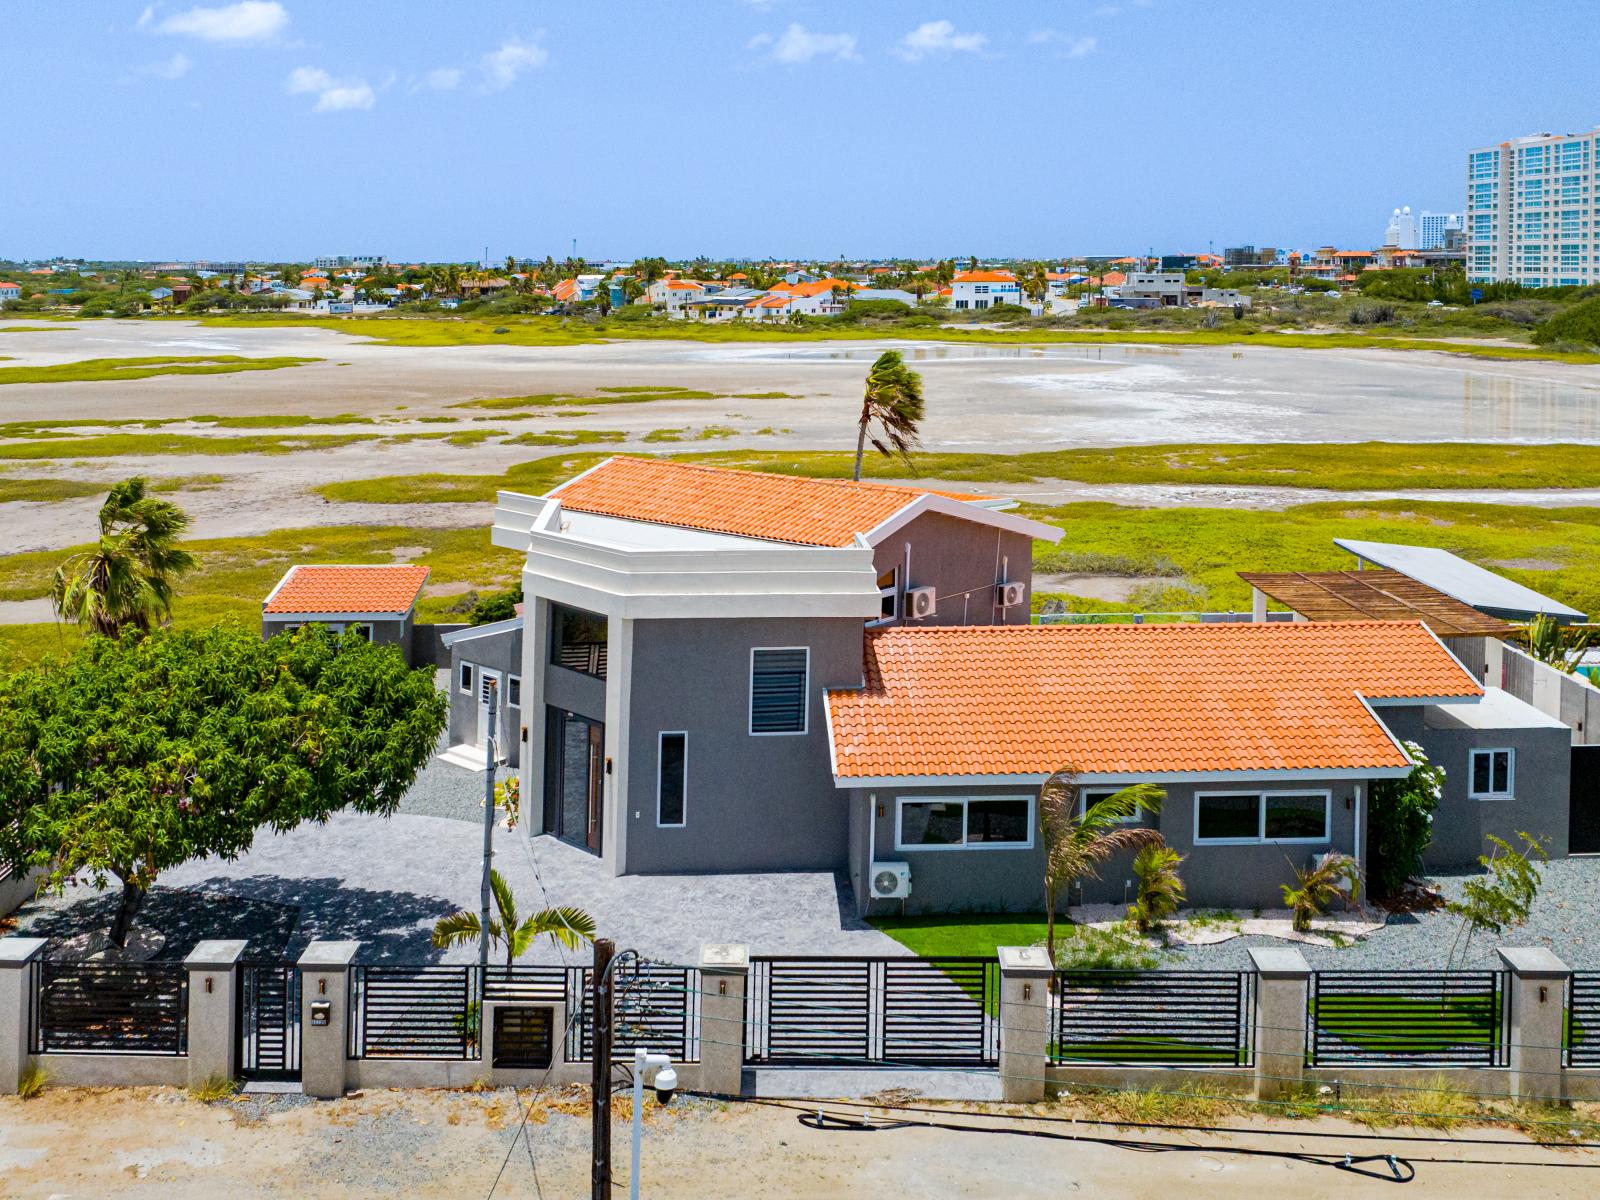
<point x="962" y="560"/>
<point x="499" y="652"/>
<point x="981" y="880"/>
<point x="753" y="802"/>
<point x="1541" y="783"/>
<point x="384" y="633"/>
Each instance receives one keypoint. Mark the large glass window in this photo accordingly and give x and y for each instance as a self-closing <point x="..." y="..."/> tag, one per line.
<point x="778" y="690"/>
<point x="672" y="778"/>
<point x="578" y="640"/>
<point x="1491" y="774"/>
<point x="1089" y="797"/>
<point x="987" y="823"/>
<point x="1262" y="817"/>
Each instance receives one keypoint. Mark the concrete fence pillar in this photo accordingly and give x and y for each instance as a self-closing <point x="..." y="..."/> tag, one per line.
<point x="213" y="968"/>
<point x="1025" y="974"/>
<point x="325" y="1017"/>
<point x="1536" y="993"/>
<point x="1283" y="985"/>
<point x="724" y="977"/>
<point x="18" y="956"/>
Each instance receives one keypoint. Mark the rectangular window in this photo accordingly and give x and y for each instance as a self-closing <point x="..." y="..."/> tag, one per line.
<point x="778" y="690"/>
<point x="889" y="595"/>
<point x="978" y="823"/>
<point x="464" y="678"/>
<point x="578" y="640"/>
<point x="672" y="763"/>
<point x="1492" y="774"/>
<point x="1089" y="797"/>
<point x="1254" y="817"/>
<point x="514" y="691"/>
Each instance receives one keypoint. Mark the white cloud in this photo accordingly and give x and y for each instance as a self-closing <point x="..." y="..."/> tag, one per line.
<point x="938" y="39"/>
<point x="501" y="67"/>
<point x="797" y="45"/>
<point x="246" y="21"/>
<point x="443" y="79"/>
<point x="175" y="67"/>
<point x="148" y="15"/>
<point x="1070" y="46"/>
<point x="333" y="95"/>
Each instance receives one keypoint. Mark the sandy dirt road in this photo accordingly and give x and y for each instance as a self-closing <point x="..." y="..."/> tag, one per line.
<point x="139" y="1143"/>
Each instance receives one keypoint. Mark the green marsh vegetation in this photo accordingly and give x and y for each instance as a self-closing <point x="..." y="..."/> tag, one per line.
<point x="90" y="370"/>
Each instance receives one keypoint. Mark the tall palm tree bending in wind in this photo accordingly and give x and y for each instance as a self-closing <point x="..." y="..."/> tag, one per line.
<point x="126" y="579"/>
<point x="892" y="404"/>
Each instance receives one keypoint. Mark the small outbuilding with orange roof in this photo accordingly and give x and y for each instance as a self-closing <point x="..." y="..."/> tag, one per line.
<point x="378" y="600"/>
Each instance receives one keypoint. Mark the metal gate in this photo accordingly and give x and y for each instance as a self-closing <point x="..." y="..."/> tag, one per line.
<point x="269" y="1020"/>
<point x="1408" y="1018"/>
<point x="873" y="1012"/>
<point x="1583" y="818"/>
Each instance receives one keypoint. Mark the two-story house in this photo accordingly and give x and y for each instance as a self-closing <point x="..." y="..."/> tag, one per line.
<point x="985" y="289"/>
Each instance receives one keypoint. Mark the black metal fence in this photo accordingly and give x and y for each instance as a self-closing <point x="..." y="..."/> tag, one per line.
<point x="1153" y="1018"/>
<point x="437" y="1011"/>
<point x="1583" y="1020"/>
<point x="109" y="1008"/>
<point x="872" y="1011"/>
<point x="1408" y="1018"/>
<point x="415" y="1012"/>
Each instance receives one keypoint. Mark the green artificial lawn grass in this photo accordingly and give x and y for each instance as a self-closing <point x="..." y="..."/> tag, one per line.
<point x="94" y="369"/>
<point x="1407" y="1025"/>
<point x="960" y="935"/>
<point x="556" y="331"/>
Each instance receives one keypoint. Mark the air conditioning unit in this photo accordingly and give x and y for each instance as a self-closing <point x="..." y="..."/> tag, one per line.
<point x="891" y="880"/>
<point x="1012" y="594"/>
<point x="921" y="602"/>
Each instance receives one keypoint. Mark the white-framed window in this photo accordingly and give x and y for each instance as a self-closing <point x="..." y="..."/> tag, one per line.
<point x="1089" y="797"/>
<point x="779" y="690"/>
<point x="514" y="691"/>
<point x="672" y="779"/>
<point x="963" y="823"/>
<point x="1248" y="818"/>
<point x="1491" y="774"/>
<point x="888" y="598"/>
<point x="464" y="675"/>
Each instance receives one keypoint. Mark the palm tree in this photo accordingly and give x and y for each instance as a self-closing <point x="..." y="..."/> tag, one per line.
<point x="893" y="401"/>
<point x="1078" y="838"/>
<point x="1330" y="878"/>
<point x="1161" y="888"/>
<point x="1559" y="646"/>
<point x="565" y="926"/>
<point x="126" y="579"/>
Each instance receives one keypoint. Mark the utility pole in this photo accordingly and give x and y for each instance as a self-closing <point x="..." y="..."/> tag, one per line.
<point x="485" y="890"/>
<point x="600" y="1083"/>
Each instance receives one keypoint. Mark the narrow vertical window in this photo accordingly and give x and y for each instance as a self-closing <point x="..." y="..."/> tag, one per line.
<point x="672" y="778"/>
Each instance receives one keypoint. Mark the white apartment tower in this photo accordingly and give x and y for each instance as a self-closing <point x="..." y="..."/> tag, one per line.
<point x="1533" y="211"/>
<point x="1401" y="230"/>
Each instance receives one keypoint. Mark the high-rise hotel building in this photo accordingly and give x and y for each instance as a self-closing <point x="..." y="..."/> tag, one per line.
<point x="1533" y="210"/>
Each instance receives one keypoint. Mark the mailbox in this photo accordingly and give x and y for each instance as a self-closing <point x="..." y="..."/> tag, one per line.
<point x="321" y="1012"/>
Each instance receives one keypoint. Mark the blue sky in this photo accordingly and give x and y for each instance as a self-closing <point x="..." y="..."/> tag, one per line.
<point x="291" y="128"/>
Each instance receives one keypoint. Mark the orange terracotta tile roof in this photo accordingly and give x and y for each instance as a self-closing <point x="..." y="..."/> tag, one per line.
<point x="985" y="277"/>
<point x="341" y="589"/>
<point x="756" y="504"/>
<point x="1134" y="699"/>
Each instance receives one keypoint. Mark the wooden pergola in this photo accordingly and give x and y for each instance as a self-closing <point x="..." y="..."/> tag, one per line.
<point x="1371" y="595"/>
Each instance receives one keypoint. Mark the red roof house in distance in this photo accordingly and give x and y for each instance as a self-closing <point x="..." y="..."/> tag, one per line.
<point x="10" y="291"/>
<point x="378" y="599"/>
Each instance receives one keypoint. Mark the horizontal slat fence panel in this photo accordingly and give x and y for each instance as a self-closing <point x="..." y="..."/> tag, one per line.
<point x="656" y="1007"/>
<point x="110" y="1008"/>
<point x="1408" y="1018"/>
<point x="1583" y="1020"/>
<point x="414" y="1011"/>
<point x="1153" y="1018"/>
<point x="872" y="1011"/>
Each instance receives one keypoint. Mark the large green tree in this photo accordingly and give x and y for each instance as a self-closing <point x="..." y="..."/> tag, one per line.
<point x="891" y="410"/>
<point x="126" y="579"/>
<point x="134" y="756"/>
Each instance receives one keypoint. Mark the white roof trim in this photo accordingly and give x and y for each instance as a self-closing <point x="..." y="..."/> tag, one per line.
<point x="1309" y="774"/>
<point x="477" y="631"/>
<point x="965" y="510"/>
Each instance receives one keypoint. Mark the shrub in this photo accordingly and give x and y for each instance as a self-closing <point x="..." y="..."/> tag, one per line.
<point x="1580" y="323"/>
<point x="1161" y="889"/>
<point x="32" y="1081"/>
<point x="217" y="1087"/>
<point x="1401" y="815"/>
<point x="497" y="606"/>
<point x="1319" y="885"/>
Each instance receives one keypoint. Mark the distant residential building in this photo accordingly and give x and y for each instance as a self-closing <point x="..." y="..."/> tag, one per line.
<point x="671" y="295"/>
<point x="1434" y="228"/>
<point x="10" y="291"/>
<point x="984" y="289"/>
<point x="1533" y="210"/>
<point x="897" y="294"/>
<point x="1244" y="258"/>
<point x="362" y="262"/>
<point x="1401" y="232"/>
